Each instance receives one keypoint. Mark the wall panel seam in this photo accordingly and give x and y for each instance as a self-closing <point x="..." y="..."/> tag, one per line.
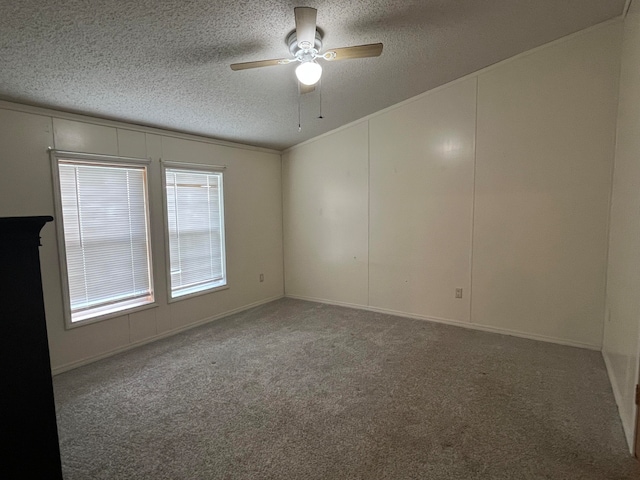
<point x="473" y="201"/>
<point x="368" y="212"/>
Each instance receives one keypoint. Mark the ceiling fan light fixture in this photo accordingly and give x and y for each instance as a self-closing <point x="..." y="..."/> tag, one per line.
<point x="309" y="73"/>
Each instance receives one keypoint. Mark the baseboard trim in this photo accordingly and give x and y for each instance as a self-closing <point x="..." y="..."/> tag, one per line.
<point x="457" y="323"/>
<point x="627" y="423"/>
<point x="70" y="366"/>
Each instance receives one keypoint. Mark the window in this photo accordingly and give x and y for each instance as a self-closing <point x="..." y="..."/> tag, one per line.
<point x="195" y="223"/>
<point x="102" y="202"/>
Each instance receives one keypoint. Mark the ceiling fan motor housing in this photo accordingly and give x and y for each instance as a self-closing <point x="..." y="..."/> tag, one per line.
<point x="300" y="53"/>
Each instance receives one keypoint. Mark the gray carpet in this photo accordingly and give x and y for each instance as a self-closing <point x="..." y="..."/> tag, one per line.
<point x="299" y="390"/>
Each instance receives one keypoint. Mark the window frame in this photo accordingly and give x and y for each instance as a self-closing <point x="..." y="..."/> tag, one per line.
<point x="61" y="155"/>
<point x="194" y="167"/>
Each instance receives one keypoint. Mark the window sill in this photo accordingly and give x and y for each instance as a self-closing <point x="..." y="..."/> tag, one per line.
<point x="107" y="316"/>
<point x="197" y="294"/>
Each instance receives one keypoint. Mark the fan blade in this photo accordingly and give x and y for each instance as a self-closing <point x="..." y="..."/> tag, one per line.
<point x="305" y="88"/>
<point x="261" y="63"/>
<point x="359" y="51"/>
<point x="305" y="26"/>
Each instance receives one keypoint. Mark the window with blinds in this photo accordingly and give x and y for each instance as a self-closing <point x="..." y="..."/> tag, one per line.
<point x="195" y="222"/>
<point x="105" y="224"/>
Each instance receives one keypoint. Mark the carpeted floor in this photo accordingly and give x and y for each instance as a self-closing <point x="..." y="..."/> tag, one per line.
<point x="299" y="390"/>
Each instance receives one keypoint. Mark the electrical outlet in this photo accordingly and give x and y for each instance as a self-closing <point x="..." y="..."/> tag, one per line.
<point x="262" y="277"/>
<point x="458" y="293"/>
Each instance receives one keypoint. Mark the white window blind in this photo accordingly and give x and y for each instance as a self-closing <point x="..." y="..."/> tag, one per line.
<point x="106" y="236"/>
<point x="195" y="221"/>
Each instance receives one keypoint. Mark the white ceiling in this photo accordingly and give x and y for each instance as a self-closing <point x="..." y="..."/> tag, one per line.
<point x="166" y="63"/>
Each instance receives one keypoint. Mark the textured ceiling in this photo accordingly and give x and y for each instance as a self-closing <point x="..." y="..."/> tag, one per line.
<point x="166" y="63"/>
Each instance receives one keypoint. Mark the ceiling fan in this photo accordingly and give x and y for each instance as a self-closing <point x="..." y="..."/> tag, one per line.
<point x="305" y="44"/>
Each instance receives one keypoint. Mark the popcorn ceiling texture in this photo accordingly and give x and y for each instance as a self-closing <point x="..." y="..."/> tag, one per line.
<point x="166" y="64"/>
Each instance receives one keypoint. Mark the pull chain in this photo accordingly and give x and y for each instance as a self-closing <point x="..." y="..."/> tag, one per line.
<point x="320" y="92"/>
<point x="299" y="116"/>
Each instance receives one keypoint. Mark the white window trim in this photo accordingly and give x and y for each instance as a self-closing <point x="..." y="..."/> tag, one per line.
<point x="167" y="248"/>
<point x="56" y="156"/>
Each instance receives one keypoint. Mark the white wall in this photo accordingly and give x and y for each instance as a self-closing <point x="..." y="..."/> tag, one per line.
<point x="326" y="228"/>
<point x="546" y="134"/>
<point x="498" y="183"/>
<point x="421" y="189"/>
<point x="253" y="209"/>
<point x="621" y="347"/>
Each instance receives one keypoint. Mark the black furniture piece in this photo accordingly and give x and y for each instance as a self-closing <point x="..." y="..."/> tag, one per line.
<point x="28" y="427"/>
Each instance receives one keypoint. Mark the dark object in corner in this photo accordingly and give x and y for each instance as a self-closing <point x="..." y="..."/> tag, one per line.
<point x="28" y="424"/>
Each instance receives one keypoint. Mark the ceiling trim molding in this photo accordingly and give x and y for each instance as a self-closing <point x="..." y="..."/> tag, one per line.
<point x="477" y="73"/>
<point x="50" y="112"/>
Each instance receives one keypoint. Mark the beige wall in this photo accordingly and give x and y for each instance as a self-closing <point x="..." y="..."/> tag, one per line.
<point x="421" y="191"/>
<point x="498" y="183"/>
<point x="546" y="133"/>
<point x="326" y="227"/>
<point x="253" y="208"/>
<point x="622" y="326"/>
